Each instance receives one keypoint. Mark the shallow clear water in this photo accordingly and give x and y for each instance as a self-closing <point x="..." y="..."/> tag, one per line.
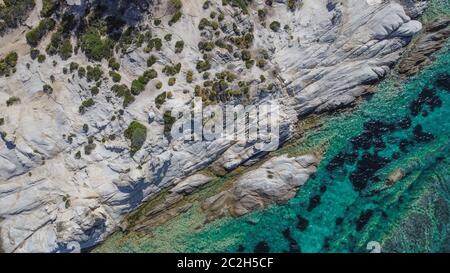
<point x="348" y="202"/>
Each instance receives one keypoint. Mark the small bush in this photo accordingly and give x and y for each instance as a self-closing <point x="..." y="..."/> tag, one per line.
<point x="8" y="64"/>
<point x="137" y="87"/>
<point x="172" y="81"/>
<point x="151" y="60"/>
<point x="137" y="134"/>
<point x="41" y="58"/>
<point x="85" y="105"/>
<point x="168" y="37"/>
<point x="160" y="99"/>
<point x="122" y="91"/>
<point x="203" y="66"/>
<point x="275" y="26"/>
<point x="35" y="35"/>
<point x="113" y="64"/>
<point x="179" y="46"/>
<point x="94" y="73"/>
<point x="81" y="72"/>
<point x="203" y="24"/>
<point x="116" y="77"/>
<point x="169" y="120"/>
<point x="190" y="76"/>
<point x="12" y="100"/>
<point x="175" y="18"/>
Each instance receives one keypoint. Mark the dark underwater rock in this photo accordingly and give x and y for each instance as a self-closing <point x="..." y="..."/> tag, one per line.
<point x="420" y="135"/>
<point x="366" y="169"/>
<point x="293" y="245"/>
<point x="363" y="219"/>
<point x="313" y="202"/>
<point x="262" y="247"/>
<point x="444" y="81"/>
<point x="302" y="223"/>
<point x="426" y="97"/>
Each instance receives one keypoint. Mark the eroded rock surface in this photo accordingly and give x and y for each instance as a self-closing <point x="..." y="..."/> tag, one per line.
<point x="276" y="181"/>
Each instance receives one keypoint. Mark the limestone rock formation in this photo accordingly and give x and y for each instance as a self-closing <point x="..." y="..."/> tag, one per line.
<point x="276" y="181"/>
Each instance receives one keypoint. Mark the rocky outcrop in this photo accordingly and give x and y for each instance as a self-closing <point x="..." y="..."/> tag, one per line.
<point x="53" y="193"/>
<point x="432" y="39"/>
<point x="276" y="181"/>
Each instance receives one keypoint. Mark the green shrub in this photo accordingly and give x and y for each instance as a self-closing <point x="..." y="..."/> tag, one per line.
<point x="172" y="81"/>
<point x="175" y="4"/>
<point x="190" y="76"/>
<point x="203" y="24"/>
<point x="81" y="72"/>
<point x="206" y="45"/>
<point x="203" y="66"/>
<point x="292" y="5"/>
<point x="47" y="89"/>
<point x="89" y="148"/>
<point x="122" y="91"/>
<point x="116" y="77"/>
<point x="137" y="134"/>
<point x="85" y="128"/>
<point x="245" y="55"/>
<point x="262" y="14"/>
<point x="169" y="120"/>
<point x="179" y="46"/>
<point x="113" y="64"/>
<point x="160" y="99"/>
<point x="94" y="73"/>
<point x="95" y="90"/>
<point x="34" y="53"/>
<point x="95" y="46"/>
<point x="86" y="104"/>
<point x="14" y="12"/>
<point x="35" y="35"/>
<point x="8" y="64"/>
<point x="275" y="26"/>
<point x="60" y="41"/>
<point x="155" y="43"/>
<point x="172" y="70"/>
<point x="175" y="18"/>
<point x="168" y="37"/>
<point x="158" y="85"/>
<point x="249" y="63"/>
<point x="137" y="87"/>
<point x="73" y="66"/>
<point x="149" y="75"/>
<point x="214" y="25"/>
<point x="261" y="63"/>
<point x="151" y="60"/>
<point x="49" y="7"/>
<point x="41" y="58"/>
<point x="12" y="100"/>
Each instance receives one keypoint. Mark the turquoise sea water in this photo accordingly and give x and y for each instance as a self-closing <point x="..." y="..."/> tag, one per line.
<point x="403" y="128"/>
<point x="348" y="202"/>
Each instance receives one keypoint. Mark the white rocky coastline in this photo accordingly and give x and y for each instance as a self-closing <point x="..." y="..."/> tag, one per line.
<point x="332" y="54"/>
